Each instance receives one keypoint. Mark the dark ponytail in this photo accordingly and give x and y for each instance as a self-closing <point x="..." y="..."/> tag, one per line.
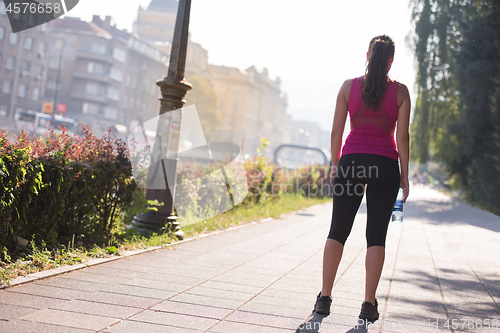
<point x="380" y="50"/>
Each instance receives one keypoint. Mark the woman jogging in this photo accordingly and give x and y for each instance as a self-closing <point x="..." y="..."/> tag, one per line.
<point x="375" y="104"/>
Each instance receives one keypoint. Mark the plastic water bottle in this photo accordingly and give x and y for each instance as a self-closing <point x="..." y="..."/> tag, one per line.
<point x="397" y="212"/>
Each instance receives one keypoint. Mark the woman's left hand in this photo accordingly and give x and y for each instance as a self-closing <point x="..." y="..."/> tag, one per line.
<point x="405" y="185"/>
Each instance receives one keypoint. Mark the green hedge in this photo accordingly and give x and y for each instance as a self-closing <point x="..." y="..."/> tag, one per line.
<point x="62" y="187"/>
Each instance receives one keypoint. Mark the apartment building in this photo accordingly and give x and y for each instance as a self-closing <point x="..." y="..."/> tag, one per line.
<point x="251" y="105"/>
<point x="23" y="68"/>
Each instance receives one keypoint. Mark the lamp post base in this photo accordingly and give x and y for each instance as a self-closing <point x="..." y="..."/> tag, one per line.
<point x="154" y="222"/>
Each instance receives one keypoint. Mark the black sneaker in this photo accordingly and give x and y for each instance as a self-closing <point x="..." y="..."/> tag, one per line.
<point x="369" y="312"/>
<point x="323" y="304"/>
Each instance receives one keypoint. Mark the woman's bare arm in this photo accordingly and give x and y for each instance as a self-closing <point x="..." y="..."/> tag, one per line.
<point x="339" y="123"/>
<point x="403" y="136"/>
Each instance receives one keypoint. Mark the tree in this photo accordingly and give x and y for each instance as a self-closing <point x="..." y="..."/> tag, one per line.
<point x="457" y="113"/>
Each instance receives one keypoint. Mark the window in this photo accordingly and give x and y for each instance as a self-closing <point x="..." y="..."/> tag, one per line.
<point x="119" y="55"/>
<point x="41" y="48"/>
<point x="26" y="66"/>
<point x="113" y="94"/>
<point x="91" y="108"/>
<point x="51" y="84"/>
<point x="96" y="68"/>
<point x="94" y="88"/>
<point x="32" y="20"/>
<point x="21" y="91"/>
<point x="134" y="83"/>
<point x="116" y="74"/>
<point x="39" y="70"/>
<point x="110" y="113"/>
<point x="7" y="85"/>
<point x="4" y="108"/>
<point x="10" y="63"/>
<point x="127" y="81"/>
<point x="236" y="106"/>
<point x="16" y="16"/>
<point x="58" y="42"/>
<point x="13" y="38"/>
<point x="28" y="43"/>
<point x="131" y="103"/>
<point x="98" y="48"/>
<point x="125" y="101"/>
<point x="2" y="32"/>
<point x="35" y="94"/>
<point x="54" y="63"/>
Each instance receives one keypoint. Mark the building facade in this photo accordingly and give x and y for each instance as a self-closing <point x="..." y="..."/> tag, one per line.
<point x="99" y="75"/>
<point x="144" y="64"/>
<point x="251" y="105"/>
<point x="157" y="22"/>
<point x="306" y="133"/>
<point x="23" y="68"/>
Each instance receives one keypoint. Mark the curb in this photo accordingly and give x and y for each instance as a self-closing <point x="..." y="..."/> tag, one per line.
<point x="93" y="262"/>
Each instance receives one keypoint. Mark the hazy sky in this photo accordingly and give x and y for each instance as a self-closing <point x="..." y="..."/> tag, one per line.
<point x="313" y="45"/>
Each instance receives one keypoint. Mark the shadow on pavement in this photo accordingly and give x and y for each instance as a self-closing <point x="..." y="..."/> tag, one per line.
<point x="476" y="296"/>
<point x="358" y="329"/>
<point x="447" y="212"/>
<point x="313" y="325"/>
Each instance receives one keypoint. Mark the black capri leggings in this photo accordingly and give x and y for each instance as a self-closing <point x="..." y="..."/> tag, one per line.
<point x="381" y="176"/>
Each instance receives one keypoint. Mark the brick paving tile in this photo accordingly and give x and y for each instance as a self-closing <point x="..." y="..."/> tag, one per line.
<point x="70" y="319"/>
<point x="192" y="309"/>
<point x="129" y="326"/>
<point x="173" y="319"/>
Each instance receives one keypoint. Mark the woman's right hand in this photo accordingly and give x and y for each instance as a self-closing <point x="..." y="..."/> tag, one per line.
<point x="333" y="170"/>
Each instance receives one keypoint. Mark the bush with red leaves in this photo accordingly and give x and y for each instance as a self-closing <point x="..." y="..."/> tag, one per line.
<point x="62" y="186"/>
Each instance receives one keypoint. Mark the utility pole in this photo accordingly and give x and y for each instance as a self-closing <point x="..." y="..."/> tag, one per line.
<point x="59" y="65"/>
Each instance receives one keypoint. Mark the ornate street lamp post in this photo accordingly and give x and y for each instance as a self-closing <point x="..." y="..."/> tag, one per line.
<point x="173" y="89"/>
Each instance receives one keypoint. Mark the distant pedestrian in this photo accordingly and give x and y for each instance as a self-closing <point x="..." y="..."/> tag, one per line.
<point x="375" y="104"/>
<point x="415" y="179"/>
<point x="424" y="179"/>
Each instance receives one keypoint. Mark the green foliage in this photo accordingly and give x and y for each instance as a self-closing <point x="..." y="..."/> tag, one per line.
<point x="20" y="182"/>
<point x="266" y="181"/>
<point x="138" y="205"/>
<point x="310" y="181"/>
<point x="62" y="187"/>
<point x="457" y="119"/>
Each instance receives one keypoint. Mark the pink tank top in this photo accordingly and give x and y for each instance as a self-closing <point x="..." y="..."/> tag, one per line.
<point x="372" y="132"/>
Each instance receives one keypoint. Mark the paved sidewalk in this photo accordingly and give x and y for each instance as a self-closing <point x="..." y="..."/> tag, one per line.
<point x="442" y="263"/>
